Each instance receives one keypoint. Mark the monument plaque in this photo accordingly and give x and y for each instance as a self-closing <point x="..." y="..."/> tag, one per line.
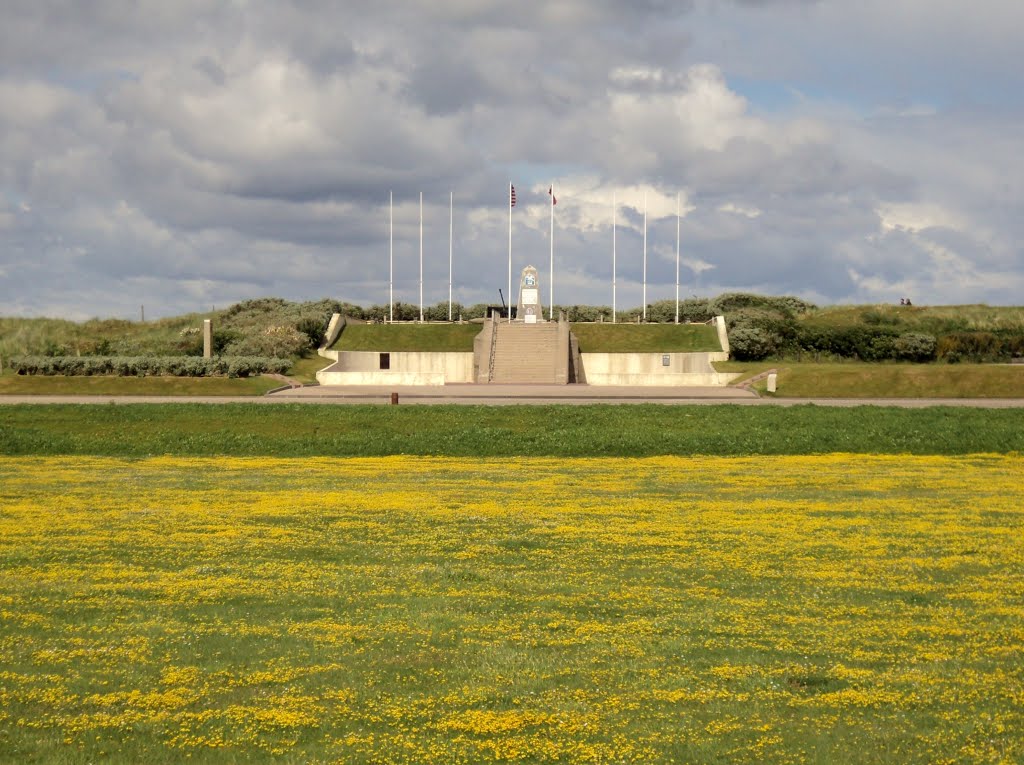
<point x="530" y="309"/>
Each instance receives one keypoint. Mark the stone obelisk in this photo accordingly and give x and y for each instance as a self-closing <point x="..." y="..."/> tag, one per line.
<point x="529" y="309"/>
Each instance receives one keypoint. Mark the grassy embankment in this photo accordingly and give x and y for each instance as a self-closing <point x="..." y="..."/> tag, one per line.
<point x="304" y="370"/>
<point x="434" y="338"/>
<point x="602" y="430"/>
<point x="830" y="609"/>
<point x="646" y="338"/>
<point x="851" y="379"/>
<point x="593" y="338"/>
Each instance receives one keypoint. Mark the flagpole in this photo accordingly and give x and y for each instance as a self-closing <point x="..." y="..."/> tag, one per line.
<point x="421" y="257"/>
<point x="645" y="257"/>
<point x="677" y="257"/>
<point x="510" y="251"/>
<point x="614" y="210"/>
<point x="551" y="272"/>
<point x="451" y="232"/>
<point x="391" y="259"/>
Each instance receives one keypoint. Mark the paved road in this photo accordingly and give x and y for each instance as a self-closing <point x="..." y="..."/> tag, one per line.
<point x="517" y="394"/>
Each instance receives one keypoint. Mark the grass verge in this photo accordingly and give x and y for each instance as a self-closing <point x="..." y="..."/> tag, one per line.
<point x="826" y="609"/>
<point x="60" y="385"/>
<point x="646" y="338"/>
<point x="866" y="380"/>
<point x="600" y="430"/>
<point x="304" y="370"/>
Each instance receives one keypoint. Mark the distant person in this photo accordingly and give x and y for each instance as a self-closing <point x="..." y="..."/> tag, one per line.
<point x="908" y="301"/>
<point x="903" y="301"/>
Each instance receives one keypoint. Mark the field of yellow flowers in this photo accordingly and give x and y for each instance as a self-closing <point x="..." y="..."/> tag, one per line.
<point x="791" y="609"/>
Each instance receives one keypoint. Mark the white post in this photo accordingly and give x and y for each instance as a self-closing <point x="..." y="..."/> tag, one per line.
<point x="677" y="257"/>
<point x="421" y="257"/>
<point x="613" y="256"/>
<point x="645" y="257"/>
<point x="551" y="271"/>
<point x="391" y="259"/>
<point x="451" y="232"/>
<point x="511" y="190"/>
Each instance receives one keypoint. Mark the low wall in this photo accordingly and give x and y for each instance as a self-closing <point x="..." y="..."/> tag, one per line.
<point x="723" y="333"/>
<point x="693" y="369"/>
<point x="407" y="368"/>
<point x="334" y="328"/>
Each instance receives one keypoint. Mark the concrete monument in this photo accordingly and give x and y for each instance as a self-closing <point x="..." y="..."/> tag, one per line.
<point x="530" y="309"/>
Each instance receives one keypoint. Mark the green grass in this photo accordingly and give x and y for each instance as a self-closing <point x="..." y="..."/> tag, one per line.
<point x="110" y="385"/>
<point x="646" y="338"/>
<point x="436" y="338"/>
<point x="304" y="370"/>
<point x="598" y="430"/>
<point x="884" y="380"/>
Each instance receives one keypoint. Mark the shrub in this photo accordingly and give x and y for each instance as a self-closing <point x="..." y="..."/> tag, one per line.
<point x="273" y="341"/>
<point x="980" y="346"/>
<point x="914" y="346"/>
<point x="732" y="301"/>
<point x="751" y="344"/>
<point x="177" y="366"/>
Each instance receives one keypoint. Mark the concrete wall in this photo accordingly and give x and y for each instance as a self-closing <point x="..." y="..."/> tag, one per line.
<point x="334" y="328"/>
<point x="562" y="357"/>
<point x="723" y="335"/>
<point x="407" y="368"/>
<point x="482" y="352"/>
<point x="649" y="369"/>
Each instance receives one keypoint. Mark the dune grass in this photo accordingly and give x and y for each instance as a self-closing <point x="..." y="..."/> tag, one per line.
<point x="39" y="336"/>
<point x="933" y="319"/>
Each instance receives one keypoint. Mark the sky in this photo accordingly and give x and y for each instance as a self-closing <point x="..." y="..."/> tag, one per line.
<point x="188" y="155"/>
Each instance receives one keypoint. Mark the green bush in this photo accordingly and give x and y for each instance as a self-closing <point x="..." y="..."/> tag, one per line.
<point x="980" y="347"/>
<point x="274" y="341"/>
<point x="691" y="310"/>
<point x="751" y="344"/>
<point x="914" y="346"/>
<point x="731" y="301"/>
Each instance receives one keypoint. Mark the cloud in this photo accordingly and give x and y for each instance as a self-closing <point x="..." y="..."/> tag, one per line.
<point x="200" y="152"/>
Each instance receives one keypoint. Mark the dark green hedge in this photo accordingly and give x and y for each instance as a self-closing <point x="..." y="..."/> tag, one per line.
<point x="142" y="366"/>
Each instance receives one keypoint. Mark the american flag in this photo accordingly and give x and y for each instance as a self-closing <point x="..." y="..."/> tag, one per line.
<point x="551" y="191"/>
<point x="511" y="195"/>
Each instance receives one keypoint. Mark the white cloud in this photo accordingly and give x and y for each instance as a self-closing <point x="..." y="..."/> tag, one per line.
<point x="916" y="216"/>
<point x="745" y="211"/>
<point x="226" y="150"/>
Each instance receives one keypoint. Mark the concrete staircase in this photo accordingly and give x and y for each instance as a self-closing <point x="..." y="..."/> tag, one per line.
<point x="528" y="353"/>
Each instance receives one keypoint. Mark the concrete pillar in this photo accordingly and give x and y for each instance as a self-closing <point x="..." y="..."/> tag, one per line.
<point x="207" y="338"/>
<point x="772" y="382"/>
